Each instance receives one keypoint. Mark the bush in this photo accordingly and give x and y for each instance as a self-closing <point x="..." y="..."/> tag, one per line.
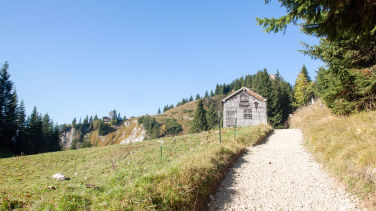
<point x="151" y="126"/>
<point x="172" y="127"/>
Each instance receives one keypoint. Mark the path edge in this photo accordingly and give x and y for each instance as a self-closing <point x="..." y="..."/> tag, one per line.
<point x="203" y="203"/>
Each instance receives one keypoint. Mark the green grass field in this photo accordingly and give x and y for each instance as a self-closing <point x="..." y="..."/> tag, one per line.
<point x="125" y="177"/>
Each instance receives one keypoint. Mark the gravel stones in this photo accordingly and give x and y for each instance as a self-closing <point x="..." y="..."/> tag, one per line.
<point x="280" y="175"/>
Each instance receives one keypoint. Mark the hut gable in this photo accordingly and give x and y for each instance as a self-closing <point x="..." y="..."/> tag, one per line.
<point x="244" y="107"/>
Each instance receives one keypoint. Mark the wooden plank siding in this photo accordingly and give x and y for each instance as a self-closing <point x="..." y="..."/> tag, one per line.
<point x="246" y="106"/>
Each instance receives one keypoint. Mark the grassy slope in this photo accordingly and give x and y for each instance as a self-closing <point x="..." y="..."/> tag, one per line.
<point x="183" y="114"/>
<point x="346" y="145"/>
<point x="111" y="177"/>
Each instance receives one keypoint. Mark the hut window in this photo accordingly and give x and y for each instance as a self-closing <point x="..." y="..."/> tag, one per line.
<point x="247" y="113"/>
<point x="230" y="116"/>
<point x="256" y="105"/>
<point x="244" y="100"/>
<point x="244" y="97"/>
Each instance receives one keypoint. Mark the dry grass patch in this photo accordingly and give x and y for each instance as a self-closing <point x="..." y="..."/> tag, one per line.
<point x="346" y="145"/>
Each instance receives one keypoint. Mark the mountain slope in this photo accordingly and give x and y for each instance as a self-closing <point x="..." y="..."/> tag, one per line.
<point x="130" y="131"/>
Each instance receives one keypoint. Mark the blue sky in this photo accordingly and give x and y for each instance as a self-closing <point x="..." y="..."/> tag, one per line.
<point x="74" y="58"/>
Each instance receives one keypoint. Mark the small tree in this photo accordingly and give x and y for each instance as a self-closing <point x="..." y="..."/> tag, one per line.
<point x="212" y="116"/>
<point x="199" y="120"/>
<point x="206" y="94"/>
<point x="303" y="89"/>
<point x="172" y="127"/>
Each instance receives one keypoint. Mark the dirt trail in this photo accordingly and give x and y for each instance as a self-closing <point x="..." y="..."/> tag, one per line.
<point x="280" y="175"/>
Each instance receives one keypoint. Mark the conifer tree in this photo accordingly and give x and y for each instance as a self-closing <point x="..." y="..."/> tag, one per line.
<point x="303" y="89"/>
<point x="237" y="85"/>
<point x="212" y="116"/>
<point x="35" y="139"/>
<point x="206" y="94"/>
<point x="211" y="93"/>
<point x="20" y="145"/>
<point x="274" y="105"/>
<point x="8" y="108"/>
<point x="217" y="90"/>
<point x="74" y="123"/>
<point x="199" y="120"/>
<point x="191" y="98"/>
<point x="198" y="97"/>
<point x="159" y="111"/>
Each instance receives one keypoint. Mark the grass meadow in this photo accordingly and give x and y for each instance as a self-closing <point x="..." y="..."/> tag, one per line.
<point x="125" y="177"/>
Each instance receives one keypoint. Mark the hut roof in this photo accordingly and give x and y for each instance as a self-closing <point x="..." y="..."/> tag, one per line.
<point x="250" y="92"/>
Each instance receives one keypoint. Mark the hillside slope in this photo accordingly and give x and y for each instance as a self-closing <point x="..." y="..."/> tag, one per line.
<point x="130" y="131"/>
<point x="345" y="145"/>
<point x="125" y="177"/>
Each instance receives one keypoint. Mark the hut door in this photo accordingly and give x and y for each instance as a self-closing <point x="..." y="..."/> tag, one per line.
<point x="230" y="117"/>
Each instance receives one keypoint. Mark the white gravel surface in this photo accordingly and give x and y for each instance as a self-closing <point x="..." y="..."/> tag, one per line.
<point x="280" y="175"/>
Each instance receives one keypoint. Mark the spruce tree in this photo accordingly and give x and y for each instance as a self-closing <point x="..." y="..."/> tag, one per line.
<point x="21" y="141"/>
<point x="55" y="141"/>
<point x="303" y="89"/>
<point x="274" y="105"/>
<point x="35" y="139"/>
<point x="211" y="93"/>
<point x="212" y="116"/>
<point x="74" y="123"/>
<point x="217" y="90"/>
<point x="237" y="85"/>
<point x="191" y="98"/>
<point x="199" y="120"/>
<point x="198" y="97"/>
<point x="159" y="111"/>
<point x="206" y="94"/>
<point x="8" y="109"/>
<point x="47" y="133"/>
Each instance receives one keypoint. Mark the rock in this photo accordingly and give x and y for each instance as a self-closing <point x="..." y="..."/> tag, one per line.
<point x="51" y="187"/>
<point x="85" y="178"/>
<point x="75" y="174"/>
<point x="211" y="197"/>
<point x="58" y="176"/>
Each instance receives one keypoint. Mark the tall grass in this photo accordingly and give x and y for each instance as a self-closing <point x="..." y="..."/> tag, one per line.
<point x="346" y="145"/>
<point x="126" y="177"/>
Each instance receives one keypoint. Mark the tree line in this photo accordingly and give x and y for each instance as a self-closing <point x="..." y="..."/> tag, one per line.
<point x="278" y="92"/>
<point x="19" y="133"/>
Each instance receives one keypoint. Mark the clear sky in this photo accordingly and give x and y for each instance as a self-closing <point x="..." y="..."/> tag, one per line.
<point x="74" y="58"/>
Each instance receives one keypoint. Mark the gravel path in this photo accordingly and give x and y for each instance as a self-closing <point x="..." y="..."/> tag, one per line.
<point x="280" y="175"/>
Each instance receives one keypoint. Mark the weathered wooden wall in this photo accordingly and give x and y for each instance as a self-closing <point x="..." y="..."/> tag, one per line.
<point x="259" y="115"/>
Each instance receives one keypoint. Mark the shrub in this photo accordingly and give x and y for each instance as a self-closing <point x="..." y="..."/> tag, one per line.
<point x="172" y="127"/>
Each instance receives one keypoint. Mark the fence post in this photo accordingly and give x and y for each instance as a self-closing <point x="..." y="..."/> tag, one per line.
<point x="161" y="144"/>
<point x="219" y="126"/>
<point x="235" y="128"/>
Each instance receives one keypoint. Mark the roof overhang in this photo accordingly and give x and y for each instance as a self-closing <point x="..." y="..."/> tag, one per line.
<point x="250" y="92"/>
